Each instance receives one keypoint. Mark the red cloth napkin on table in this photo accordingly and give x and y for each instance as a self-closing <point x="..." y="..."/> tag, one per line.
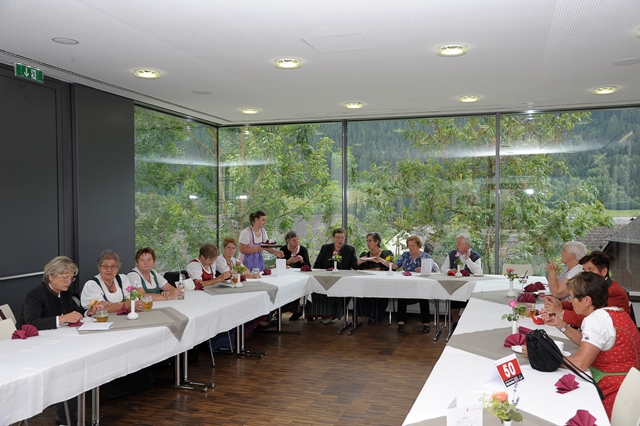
<point x="305" y="268"/>
<point x="567" y="383"/>
<point x="514" y="340"/>
<point x="199" y="286"/>
<point x="75" y="324"/>
<point x="243" y="278"/>
<point x="329" y="269"/>
<point x="538" y="320"/>
<point x="406" y="273"/>
<point x="534" y="287"/>
<point x="582" y="418"/>
<point x="124" y="310"/>
<point x="465" y="273"/>
<point x="27" y="331"/>
<point x="524" y="330"/>
<point x="451" y="273"/>
<point x="526" y="298"/>
<point x="266" y="271"/>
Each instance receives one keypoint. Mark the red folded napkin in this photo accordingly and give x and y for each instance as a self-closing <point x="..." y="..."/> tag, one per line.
<point x="567" y="383"/>
<point x="329" y="269"/>
<point x="406" y="273"/>
<point x="124" y="310"/>
<point x="538" y="320"/>
<point x="27" y="331"/>
<point x="75" y="324"/>
<point x="266" y="271"/>
<point x="515" y="340"/>
<point x="451" y="273"/>
<point x="523" y="330"/>
<point x="243" y="278"/>
<point x="465" y="273"/>
<point x="199" y="286"/>
<point x="305" y="268"/>
<point x="582" y="418"/>
<point x="534" y="286"/>
<point x="526" y="298"/>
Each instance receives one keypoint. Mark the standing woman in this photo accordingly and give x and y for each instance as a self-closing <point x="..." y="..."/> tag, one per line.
<point x="374" y="308"/>
<point x="108" y="286"/>
<point x="250" y="239"/>
<point x="145" y="277"/>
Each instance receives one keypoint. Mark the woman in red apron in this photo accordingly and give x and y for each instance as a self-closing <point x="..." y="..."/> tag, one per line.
<point x="251" y="239"/>
<point x="202" y="271"/>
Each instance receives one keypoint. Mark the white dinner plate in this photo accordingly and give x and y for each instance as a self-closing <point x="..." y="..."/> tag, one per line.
<point x="478" y="275"/>
<point x="518" y="349"/>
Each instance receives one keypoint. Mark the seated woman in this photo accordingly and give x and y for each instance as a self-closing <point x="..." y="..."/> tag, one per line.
<point x="147" y="279"/>
<point x="108" y="286"/>
<point x="373" y="260"/>
<point x="609" y="341"/>
<point x="332" y="307"/>
<point x="411" y="261"/>
<point x="200" y="269"/>
<point x="296" y="256"/>
<point x="226" y="262"/>
<point x="472" y="262"/>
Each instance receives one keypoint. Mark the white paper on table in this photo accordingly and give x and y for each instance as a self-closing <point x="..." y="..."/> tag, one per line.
<point x="281" y="267"/>
<point x="95" y="326"/>
<point x="464" y="412"/>
<point x="425" y="266"/>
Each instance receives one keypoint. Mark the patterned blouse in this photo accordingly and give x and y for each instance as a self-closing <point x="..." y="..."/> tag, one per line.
<point x="408" y="263"/>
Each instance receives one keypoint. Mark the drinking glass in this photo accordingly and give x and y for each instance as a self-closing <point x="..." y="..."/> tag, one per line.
<point x="147" y="302"/>
<point x="102" y="315"/>
<point x="255" y="271"/>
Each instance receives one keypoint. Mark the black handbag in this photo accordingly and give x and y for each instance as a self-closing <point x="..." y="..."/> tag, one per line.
<point x="544" y="355"/>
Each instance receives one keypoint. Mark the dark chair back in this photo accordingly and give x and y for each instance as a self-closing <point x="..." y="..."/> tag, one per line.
<point x="174" y="276"/>
<point x="631" y="313"/>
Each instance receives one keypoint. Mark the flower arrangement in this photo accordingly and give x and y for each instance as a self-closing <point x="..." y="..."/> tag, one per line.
<point x="390" y="258"/>
<point x="500" y="406"/>
<point x="239" y="268"/>
<point x="511" y="275"/>
<point x="336" y="256"/>
<point x="133" y="292"/>
<point x="517" y="310"/>
<point x="457" y="261"/>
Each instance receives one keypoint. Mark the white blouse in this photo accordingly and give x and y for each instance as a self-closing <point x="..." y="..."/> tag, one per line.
<point x="99" y="292"/>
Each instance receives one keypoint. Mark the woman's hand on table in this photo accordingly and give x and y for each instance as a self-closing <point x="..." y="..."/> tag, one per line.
<point x="294" y="259"/>
<point x="225" y="275"/>
<point x="170" y="295"/>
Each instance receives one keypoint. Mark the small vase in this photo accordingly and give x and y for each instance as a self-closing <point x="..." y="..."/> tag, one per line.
<point x="506" y="422"/>
<point x="390" y="271"/>
<point x="133" y="315"/>
<point x="335" y="267"/>
<point x="511" y="293"/>
<point x="459" y="274"/>
<point x="514" y="330"/>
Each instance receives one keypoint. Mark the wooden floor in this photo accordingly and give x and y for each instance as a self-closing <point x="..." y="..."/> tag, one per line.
<point x="315" y="378"/>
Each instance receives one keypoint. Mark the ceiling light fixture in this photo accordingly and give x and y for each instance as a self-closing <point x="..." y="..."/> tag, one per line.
<point x="148" y="74"/>
<point x="64" y="40"/>
<point x="353" y="105"/>
<point x="452" y="50"/>
<point x="250" y="110"/>
<point x="288" y="63"/>
<point x="469" y="98"/>
<point x="605" y="90"/>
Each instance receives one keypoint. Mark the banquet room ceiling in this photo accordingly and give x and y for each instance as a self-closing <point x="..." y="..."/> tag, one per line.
<point x="217" y="57"/>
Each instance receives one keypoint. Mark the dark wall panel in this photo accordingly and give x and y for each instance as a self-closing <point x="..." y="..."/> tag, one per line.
<point x="105" y="199"/>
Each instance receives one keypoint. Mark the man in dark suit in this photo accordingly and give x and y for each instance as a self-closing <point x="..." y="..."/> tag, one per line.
<point x="346" y="251"/>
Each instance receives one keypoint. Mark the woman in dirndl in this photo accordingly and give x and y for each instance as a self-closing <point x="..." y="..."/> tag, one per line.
<point x="252" y="240"/>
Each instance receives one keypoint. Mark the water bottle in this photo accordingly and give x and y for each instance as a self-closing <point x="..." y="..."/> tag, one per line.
<point x="181" y="288"/>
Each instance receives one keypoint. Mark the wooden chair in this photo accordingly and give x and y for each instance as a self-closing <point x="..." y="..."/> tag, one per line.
<point x="626" y="410"/>
<point x="519" y="269"/>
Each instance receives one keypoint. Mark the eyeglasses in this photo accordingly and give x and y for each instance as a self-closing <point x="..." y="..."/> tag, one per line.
<point x="109" y="266"/>
<point x="575" y="297"/>
<point x="68" y="279"/>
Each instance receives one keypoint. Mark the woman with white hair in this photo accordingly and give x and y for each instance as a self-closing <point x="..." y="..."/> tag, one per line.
<point x="570" y="254"/>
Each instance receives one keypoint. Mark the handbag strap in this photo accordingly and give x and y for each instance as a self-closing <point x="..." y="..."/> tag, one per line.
<point x="551" y="347"/>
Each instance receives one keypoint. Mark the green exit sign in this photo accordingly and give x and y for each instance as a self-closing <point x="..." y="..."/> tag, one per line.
<point x="29" y="73"/>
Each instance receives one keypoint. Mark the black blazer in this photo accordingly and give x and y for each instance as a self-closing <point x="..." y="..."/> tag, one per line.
<point x="348" y="253"/>
<point x="42" y="306"/>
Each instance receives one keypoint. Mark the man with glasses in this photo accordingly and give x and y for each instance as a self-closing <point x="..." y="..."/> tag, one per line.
<point x="50" y="304"/>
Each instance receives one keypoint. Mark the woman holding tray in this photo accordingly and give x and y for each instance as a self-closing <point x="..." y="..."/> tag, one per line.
<point x="253" y="240"/>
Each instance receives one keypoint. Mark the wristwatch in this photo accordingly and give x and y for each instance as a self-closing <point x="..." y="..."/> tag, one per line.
<point x="564" y="328"/>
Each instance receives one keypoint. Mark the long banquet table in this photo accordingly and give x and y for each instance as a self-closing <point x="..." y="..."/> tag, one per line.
<point x="466" y="369"/>
<point x="60" y="364"/>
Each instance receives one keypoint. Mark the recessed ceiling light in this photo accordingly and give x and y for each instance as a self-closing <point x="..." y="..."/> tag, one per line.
<point x="149" y="74"/>
<point x="250" y="110"/>
<point x="201" y="92"/>
<point x="354" y="105"/>
<point x="469" y="98"/>
<point x="64" y="40"/>
<point x="452" y="50"/>
<point x="605" y="90"/>
<point x="288" y="63"/>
